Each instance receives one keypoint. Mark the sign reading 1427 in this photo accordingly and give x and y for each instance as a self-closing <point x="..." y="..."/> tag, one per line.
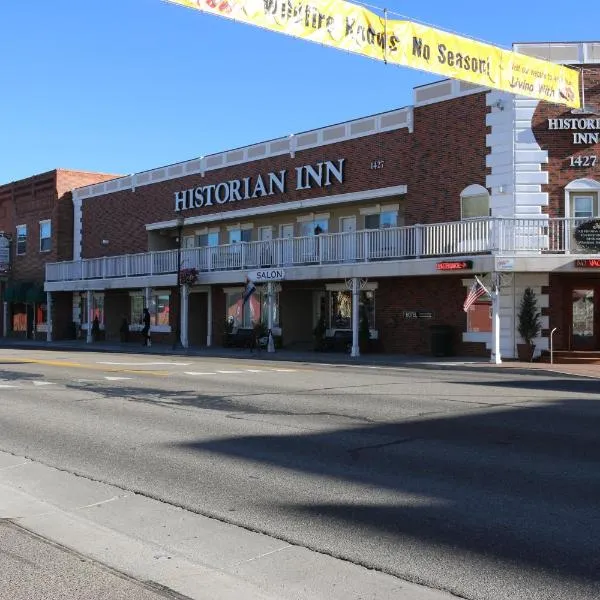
<point x="266" y="275"/>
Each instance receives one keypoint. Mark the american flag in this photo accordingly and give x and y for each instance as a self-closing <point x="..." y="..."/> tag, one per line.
<point x="476" y="291"/>
<point x="250" y="289"/>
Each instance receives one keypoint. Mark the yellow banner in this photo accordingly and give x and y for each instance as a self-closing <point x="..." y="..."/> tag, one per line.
<point x="349" y="27"/>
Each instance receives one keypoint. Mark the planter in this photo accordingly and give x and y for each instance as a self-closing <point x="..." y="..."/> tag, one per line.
<point x="525" y="352"/>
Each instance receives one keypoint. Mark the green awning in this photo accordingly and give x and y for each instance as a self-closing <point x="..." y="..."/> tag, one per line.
<point x="24" y="291"/>
<point x="35" y="294"/>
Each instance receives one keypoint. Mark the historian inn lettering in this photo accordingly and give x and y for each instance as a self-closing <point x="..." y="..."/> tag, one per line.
<point x="306" y="177"/>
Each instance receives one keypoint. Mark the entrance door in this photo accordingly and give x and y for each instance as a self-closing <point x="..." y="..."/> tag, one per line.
<point x="348" y="228"/>
<point x="585" y="321"/>
<point x="286" y="234"/>
<point x="265" y="257"/>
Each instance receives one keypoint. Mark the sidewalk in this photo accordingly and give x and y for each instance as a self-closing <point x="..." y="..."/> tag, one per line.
<point x="108" y="542"/>
<point x="380" y="360"/>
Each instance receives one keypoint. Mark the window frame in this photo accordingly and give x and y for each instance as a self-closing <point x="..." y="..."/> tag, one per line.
<point x="20" y="241"/>
<point x="47" y="222"/>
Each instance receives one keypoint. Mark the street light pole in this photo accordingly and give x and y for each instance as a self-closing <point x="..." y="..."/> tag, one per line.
<point x="177" y="343"/>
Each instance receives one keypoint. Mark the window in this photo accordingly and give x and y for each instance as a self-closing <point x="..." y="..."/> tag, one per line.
<point x="21" y="239"/>
<point x="240" y="235"/>
<point x="315" y="227"/>
<point x="159" y="308"/>
<point x="383" y="220"/>
<point x="341" y="308"/>
<point x="583" y="207"/>
<point x="474" y="202"/>
<point x="256" y="309"/>
<point x="45" y="236"/>
<point x="97" y="309"/>
<point x="479" y="315"/>
<point x="208" y="239"/>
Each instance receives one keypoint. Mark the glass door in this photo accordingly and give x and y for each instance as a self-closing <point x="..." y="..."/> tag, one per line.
<point x="584" y="318"/>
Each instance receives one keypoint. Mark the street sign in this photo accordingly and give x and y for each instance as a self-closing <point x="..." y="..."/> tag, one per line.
<point x="266" y="275"/>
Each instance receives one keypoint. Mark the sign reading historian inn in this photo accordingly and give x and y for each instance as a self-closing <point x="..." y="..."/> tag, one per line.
<point x="305" y="177"/>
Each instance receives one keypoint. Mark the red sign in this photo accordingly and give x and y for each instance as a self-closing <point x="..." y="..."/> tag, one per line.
<point x="590" y="263"/>
<point x="456" y="265"/>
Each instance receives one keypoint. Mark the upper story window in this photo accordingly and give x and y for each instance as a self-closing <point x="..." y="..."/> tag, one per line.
<point x="45" y="236"/>
<point x="21" y="239"/>
<point x="474" y="202"/>
<point x="240" y="235"/>
<point x="207" y="239"/>
<point x="583" y="207"/>
<point x="314" y="227"/>
<point x="382" y="220"/>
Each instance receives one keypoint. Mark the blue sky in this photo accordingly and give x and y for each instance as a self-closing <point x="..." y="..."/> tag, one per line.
<point x="122" y="86"/>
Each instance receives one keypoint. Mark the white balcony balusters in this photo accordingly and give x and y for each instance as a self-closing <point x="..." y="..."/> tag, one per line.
<point x="533" y="235"/>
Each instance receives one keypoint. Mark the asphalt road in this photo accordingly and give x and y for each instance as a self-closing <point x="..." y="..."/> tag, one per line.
<point x="485" y="484"/>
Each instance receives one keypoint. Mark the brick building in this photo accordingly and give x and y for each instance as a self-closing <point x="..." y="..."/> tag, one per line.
<point x="36" y="221"/>
<point x="378" y="224"/>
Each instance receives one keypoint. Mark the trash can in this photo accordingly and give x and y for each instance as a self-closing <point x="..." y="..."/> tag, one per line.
<point x="442" y="340"/>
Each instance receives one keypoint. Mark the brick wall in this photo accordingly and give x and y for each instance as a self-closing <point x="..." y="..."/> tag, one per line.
<point x="445" y="153"/>
<point x="560" y="146"/>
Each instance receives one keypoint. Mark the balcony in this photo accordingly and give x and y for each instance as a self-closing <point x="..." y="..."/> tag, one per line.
<point x="497" y="236"/>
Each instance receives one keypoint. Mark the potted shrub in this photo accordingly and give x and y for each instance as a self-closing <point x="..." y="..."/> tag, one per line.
<point x="529" y="325"/>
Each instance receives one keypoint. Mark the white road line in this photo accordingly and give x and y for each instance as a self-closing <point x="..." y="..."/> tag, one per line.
<point x="116" y="378"/>
<point x="198" y="373"/>
<point x="284" y="370"/>
<point x="143" y="364"/>
<point x="43" y="383"/>
<point x="255" y="370"/>
<point x="230" y="372"/>
<point x="7" y="385"/>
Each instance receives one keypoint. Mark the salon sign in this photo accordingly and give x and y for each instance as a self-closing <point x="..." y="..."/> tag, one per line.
<point x="266" y="275"/>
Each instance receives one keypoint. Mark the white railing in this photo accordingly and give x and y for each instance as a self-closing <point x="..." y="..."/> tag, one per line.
<point x="493" y="236"/>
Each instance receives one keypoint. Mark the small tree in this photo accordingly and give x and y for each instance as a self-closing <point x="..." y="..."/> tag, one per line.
<point x="530" y="322"/>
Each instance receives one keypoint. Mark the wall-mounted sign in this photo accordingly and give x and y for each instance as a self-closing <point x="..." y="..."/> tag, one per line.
<point x="306" y="177"/>
<point x="585" y="131"/>
<point x="266" y="275"/>
<point x="505" y="264"/>
<point x="454" y="265"/>
<point x="588" y="263"/>
<point x="417" y="314"/>
<point x="587" y="235"/>
<point x="4" y="253"/>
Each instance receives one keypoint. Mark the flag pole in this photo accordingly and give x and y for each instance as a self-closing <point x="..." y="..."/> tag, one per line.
<point x="495" y="357"/>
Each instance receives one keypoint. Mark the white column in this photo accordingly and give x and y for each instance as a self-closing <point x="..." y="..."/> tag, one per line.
<point x="209" y="320"/>
<point x="90" y="316"/>
<point x="147" y="297"/>
<point x="49" y="316"/>
<point x="495" y="356"/>
<point x="355" y="304"/>
<point x="184" y="317"/>
<point x="270" y="294"/>
<point x="5" y="319"/>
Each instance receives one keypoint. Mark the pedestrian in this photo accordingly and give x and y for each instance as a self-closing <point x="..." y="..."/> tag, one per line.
<point x="146" y="328"/>
<point x="95" y="329"/>
<point x="124" y="329"/>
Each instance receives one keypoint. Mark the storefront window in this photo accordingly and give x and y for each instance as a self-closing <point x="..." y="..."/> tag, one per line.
<point x="479" y="315"/>
<point x="97" y="309"/>
<point x="341" y="308"/>
<point x="254" y="311"/>
<point x="159" y="308"/>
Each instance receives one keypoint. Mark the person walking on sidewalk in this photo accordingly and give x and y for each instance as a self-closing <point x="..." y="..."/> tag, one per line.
<point x="146" y="328"/>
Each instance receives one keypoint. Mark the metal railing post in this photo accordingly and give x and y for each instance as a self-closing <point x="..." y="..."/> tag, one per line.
<point x="552" y="345"/>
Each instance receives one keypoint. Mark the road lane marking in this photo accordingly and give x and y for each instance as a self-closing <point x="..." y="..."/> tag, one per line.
<point x="284" y="370"/>
<point x="230" y="372"/>
<point x="116" y="378"/>
<point x="198" y="373"/>
<point x="43" y="383"/>
<point x="142" y="364"/>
